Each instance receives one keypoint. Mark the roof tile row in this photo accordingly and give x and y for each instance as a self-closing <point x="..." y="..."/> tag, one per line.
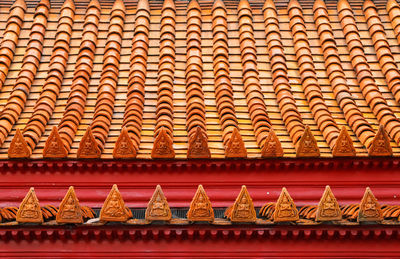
<point x="242" y="211"/>
<point x="229" y="98"/>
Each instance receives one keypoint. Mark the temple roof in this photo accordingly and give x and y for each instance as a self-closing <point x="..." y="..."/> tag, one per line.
<point x="210" y="79"/>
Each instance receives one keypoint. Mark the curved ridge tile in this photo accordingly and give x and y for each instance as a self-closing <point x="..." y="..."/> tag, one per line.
<point x="45" y="105"/>
<point x="309" y="79"/>
<point x="133" y="115"/>
<point x="221" y="68"/>
<point x="337" y="78"/>
<point x="282" y="89"/>
<point x="109" y="76"/>
<point x="381" y="45"/>
<point x="83" y="70"/>
<point x="33" y="53"/>
<point x="365" y="78"/>
<point x="195" y="106"/>
<point x="10" y="38"/>
<point x="393" y="9"/>
<point x="165" y="80"/>
<point x="251" y="81"/>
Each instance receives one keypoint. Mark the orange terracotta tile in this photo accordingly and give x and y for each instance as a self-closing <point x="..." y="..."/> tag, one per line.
<point x="328" y="208"/>
<point x="285" y="209"/>
<point x="54" y="147"/>
<point x="163" y="147"/>
<point x="235" y="147"/>
<point x="380" y="145"/>
<point x="88" y="147"/>
<point x="344" y="145"/>
<point x="272" y="146"/>
<point x="18" y="147"/>
<point x="243" y="208"/>
<point x="124" y="147"/>
<point x="198" y="145"/>
<point x="370" y="210"/>
<point x="114" y="209"/>
<point x="307" y="145"/>
<point x="158" y="208"/>
<point x="69" y="210"/>
<point x="29" y="210"/>
<point x="200" y="207"/>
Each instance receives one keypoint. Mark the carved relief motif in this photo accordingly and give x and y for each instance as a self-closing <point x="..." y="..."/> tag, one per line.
<point x="70" y="210"/>
<point x="285" y="209"/>
<point x="88" y="147"/>
<point x="18" y="147"/>
<point x="380" y="146"/>
<point x="54" y="147"/>
<point x="114" y="207"/>
<point x="370" y="210"/>
<point x="29" y="209"/>
<point x="163" y="146"/>
<point x="344" y="145"/>
<point x="235" y="147"/>
<point x="200" y="207"/>
<point x="328" y="208"/>
<point x="272" y="146"/>
<point x="124" y="147"/>
<point x="307" y="145"/>
<point x="198" y="145"/>
<point x="243" y="208"/>
<point x="158" y="208"/>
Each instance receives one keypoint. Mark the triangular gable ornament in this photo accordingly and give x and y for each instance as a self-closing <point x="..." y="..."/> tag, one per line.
<point x="124" y="147"/>
<point x="235" y="147"/>
<point x="369" y="210"/>
<point x="285" y="209"/>
<point x="198" y="145"/>
<point x="88" y="147"/>
<point x="328" y="208"/>
<point x="69" y="210"/>
<point x="243" y="208"/>
<point x="114" y="207"/>
<point x="54" y="147"/>
<point x="163" y="146"/>
<point x="18" y="147"/>
<point x="380" y="145"/>
<point x="344" y="145"/>
<point x="158" y="208"/>
<point x="272" y="146"/>
<point x="307" y="145"/>
<point x="200" y="207"/>
<point x="29" y="210"/>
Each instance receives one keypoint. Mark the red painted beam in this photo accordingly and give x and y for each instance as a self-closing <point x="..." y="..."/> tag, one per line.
<point x="304" y="178"/>
<point x="125" y="241"/>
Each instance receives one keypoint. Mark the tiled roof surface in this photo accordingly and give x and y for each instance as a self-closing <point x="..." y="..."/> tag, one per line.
<point x="201" y="210"/>
<point x="200" y="76"/>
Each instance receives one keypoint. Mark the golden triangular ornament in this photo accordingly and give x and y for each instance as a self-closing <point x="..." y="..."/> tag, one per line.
<point x="114" y="207"/>
<point x="158" y="208"/>
<point x="69" y="210"/>
<point x="124" y="147"/>
<point x="272" y="146"/>
<point x="285" y="209"/>
<point x="380" y="145"/>
<point x="307" y="145"/>
<point x="54" y="147"/>
<point x="88" y="147"/>
<point x="235" y="147"/>
<point x="328" y="208"/>
<point x="18" y="147"/>
<point x="369" y="210"/>
<point x="29" y="210"/>
<point x="200" y="207"/>
<point x="344" y="145"/>
<point x="243" y="208"/>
